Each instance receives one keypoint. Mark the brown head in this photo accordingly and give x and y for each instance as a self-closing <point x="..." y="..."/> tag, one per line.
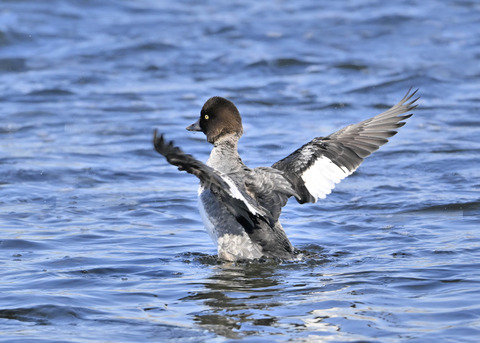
<point x="219" y="117"/>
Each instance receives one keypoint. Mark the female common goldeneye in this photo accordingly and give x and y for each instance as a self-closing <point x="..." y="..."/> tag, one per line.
<point x="240" y="206"/>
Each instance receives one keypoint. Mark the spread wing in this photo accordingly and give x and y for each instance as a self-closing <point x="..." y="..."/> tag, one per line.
<point x="316" y="167"/>
<point x="270" y="188"/>
<point x="246" y="210"/>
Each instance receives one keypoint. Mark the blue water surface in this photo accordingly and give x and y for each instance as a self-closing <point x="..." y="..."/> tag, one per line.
<point x="100" y="238"/>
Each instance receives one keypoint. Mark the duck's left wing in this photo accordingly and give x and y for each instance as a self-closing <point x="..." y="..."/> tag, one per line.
<point x="270" y="188"/>
<point x="316" y="167"/>
<point x="246" y="211"/>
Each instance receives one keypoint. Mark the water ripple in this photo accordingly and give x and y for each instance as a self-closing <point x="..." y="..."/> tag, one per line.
<point x="102" y="238"/>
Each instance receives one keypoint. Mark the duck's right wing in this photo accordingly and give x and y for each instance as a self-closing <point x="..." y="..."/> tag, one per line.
<point x="246" y="211"/>
<point x="316" y="167"/>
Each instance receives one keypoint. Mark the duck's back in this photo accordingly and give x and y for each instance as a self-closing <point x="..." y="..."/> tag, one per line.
<point x="234" y="242"/>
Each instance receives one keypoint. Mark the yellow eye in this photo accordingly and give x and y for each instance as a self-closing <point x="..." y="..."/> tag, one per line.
<point x="206" y="116"/>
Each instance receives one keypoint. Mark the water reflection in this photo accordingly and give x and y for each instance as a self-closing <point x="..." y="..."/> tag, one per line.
<point x="244" y="299"/>
<point x="239" y="298"/>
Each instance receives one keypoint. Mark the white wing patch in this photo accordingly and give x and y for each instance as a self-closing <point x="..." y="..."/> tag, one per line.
<point x="237" y="195"/>
<point x="322" y="176"/>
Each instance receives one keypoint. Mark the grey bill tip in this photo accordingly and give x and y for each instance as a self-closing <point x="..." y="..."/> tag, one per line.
<point x="195" y="126"/>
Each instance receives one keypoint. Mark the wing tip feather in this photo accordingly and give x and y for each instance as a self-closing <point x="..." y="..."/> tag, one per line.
<point x="411" y="105"/>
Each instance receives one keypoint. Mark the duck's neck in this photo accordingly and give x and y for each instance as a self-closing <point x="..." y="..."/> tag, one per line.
<point x="224" y="156"/>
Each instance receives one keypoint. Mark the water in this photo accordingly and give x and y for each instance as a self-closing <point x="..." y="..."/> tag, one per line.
<point x="101" y="239"/>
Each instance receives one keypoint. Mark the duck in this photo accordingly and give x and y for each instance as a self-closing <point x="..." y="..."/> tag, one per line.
<point x="240" y="206"/>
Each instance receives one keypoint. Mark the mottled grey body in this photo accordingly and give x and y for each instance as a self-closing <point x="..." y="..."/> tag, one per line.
<point x="233" y="242"/>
